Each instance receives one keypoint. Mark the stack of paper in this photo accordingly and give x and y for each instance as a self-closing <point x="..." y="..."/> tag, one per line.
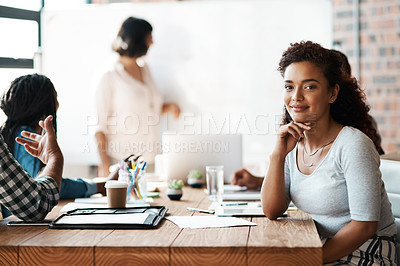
<point x="232" y="192"/>
<point x="99" y="202"/>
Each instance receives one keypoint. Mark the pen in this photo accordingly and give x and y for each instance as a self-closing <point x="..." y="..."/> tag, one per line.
<point x="199" y="210"/>
<point x="234" y="204"/>
<point x="257" y="204"/>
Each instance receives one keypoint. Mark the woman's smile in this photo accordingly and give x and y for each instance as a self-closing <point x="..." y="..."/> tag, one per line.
<point x="298" y="108"/>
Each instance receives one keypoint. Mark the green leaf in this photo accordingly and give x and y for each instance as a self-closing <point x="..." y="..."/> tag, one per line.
<point x="196" y="174"/>
<point x="175" y="184"/>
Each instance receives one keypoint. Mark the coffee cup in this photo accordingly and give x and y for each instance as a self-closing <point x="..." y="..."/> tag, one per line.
<point x="116" y="193"/>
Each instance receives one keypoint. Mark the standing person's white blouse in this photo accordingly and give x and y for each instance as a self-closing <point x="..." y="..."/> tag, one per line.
<point x="129" y="113"/>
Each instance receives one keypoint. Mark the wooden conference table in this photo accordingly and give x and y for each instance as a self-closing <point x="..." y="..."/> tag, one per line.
<point x="291" y="240"/>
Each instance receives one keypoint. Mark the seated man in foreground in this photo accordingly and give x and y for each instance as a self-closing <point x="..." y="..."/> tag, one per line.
<point x="28" y="198"/>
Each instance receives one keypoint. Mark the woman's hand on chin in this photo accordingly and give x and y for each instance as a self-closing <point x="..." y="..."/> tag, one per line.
<point x="288" y="135"/>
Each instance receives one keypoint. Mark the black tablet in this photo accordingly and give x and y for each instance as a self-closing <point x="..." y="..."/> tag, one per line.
<point x="111" y="218"/>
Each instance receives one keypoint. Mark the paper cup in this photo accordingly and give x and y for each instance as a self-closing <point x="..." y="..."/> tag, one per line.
<point x="116" y="193"/>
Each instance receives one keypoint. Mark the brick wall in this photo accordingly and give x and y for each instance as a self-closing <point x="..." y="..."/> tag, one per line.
<point x="379" y="75"/>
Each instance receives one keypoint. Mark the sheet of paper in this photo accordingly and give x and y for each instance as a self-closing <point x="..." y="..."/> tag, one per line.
<point x="207" y="221"/>
<point x="234" y="188"/>
<point x="74" y="205"/>
<point x="242" y="196"/>
<point x="103" y="200"/>
<point x="97" y="200"/>
<point x="230" y="208"/>
<point x="230" y="189"/>
<point x="233" y="204"/>
<point x="229" y="211"/>
<point x="137" y="218"/>
<point x="232" y="192"/>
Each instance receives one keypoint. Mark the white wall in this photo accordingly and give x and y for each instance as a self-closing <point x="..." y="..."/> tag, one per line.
<point x="217" y="59"/>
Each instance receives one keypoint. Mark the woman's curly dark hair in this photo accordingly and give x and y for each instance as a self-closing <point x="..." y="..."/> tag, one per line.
<point x="349" y="109"/>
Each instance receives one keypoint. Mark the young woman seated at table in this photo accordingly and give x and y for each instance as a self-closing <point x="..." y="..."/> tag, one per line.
<point x="325" y="162"/>
<point x="243" y="177"/>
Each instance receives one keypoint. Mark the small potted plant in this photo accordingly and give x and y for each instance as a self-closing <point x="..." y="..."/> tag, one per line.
<point x="195" y="179"/>
<point x="174" y="190"/>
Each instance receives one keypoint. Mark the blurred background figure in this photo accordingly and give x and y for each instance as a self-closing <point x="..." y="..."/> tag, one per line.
<point x="28" y="100"/>
<point x="129" y="103"/>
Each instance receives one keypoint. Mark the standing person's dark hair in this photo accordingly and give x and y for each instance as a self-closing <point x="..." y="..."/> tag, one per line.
<point x="28" y="100"/>
<point x="349" y="109"/>
<point x="131" y="38"/>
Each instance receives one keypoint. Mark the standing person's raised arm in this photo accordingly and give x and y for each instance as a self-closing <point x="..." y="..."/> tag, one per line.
<point x="273" y="195"/>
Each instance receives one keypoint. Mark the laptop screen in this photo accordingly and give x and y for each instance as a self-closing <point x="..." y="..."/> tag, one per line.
<point x="183" y="153"/>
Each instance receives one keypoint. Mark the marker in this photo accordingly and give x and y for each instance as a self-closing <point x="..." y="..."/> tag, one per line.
<point x="144" y="165"/>
<point x="199" y="210"/>
<point x="133" y="177"/>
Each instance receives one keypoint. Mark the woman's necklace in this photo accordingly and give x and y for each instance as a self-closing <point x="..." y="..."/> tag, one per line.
<point x="313" y="153"/>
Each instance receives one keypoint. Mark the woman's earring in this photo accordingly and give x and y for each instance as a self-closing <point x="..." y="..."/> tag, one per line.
<point x="120" y="44"/>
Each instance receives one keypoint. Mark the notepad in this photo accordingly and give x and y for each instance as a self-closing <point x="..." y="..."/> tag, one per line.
<point x="237" y="209"/>
<point x="240" y="209"/>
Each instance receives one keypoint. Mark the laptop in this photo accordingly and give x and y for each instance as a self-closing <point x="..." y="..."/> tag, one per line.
<point x="183" y="153"/>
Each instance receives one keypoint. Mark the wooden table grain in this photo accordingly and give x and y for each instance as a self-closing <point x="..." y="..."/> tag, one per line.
<point x="291" y="240"/>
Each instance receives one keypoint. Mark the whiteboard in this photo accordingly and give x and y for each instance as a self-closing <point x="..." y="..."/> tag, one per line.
<point x="216" y="59"/>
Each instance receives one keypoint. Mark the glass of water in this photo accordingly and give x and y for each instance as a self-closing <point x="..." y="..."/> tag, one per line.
<point x="215" y="182"/>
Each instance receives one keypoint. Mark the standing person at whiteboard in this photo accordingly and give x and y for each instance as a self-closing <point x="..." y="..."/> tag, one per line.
<point x="128" y="101"/>
<point x="325" y="161"/>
